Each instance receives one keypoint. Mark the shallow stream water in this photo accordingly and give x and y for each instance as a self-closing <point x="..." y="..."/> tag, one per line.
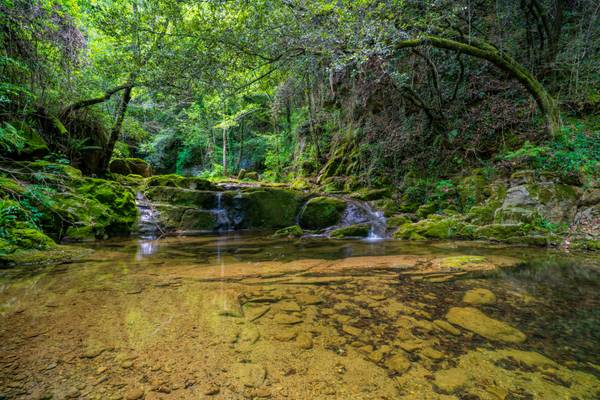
<point x="244" y="316"/>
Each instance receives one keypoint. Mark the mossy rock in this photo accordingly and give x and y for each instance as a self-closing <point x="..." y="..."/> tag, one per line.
<point x="53" y="255"/>
<point x="179" y="181"/>
<point x="501" y="232"/>
<point x="321" y="212"/>
<point x="397" y="220"/>
<point x="198" y="220"/>
<point x="268" y="208"/>
<point x="293" y="231"/>
<point x="178" y="196"/>
<point x="472" y="190"/>
<point x="435" y="227"/>
<point x="426" y="209"/>
<point x="370" y="194"/>
<point x="80" y="234"/>
<point x="127" y="166"/>
<point x="10" y="187"/>
<point x="249" y="175"/>
<point x="357" y="230"/>
<point x="388" y="206"/>
<point x="334" y="184"/>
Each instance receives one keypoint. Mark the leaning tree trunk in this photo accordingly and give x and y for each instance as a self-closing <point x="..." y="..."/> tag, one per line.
<point x="116" y="129"/>
<point x="485" y="51"/>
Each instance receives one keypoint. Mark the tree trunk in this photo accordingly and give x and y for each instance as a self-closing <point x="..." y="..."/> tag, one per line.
<point x="241" y="153"/>
<point x="224" y="152"/>
<point x="478" y="49"/>
<point x="116" y="129"/>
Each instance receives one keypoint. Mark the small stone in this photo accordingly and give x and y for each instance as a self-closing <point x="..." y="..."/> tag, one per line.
<point x="101" y="370"/>
<point x="285" y="335"/>
<point x="309" y="299"/>
<point x="432" y="353"/>
<point x="450" y="380"/>
<point x="475" y="321"/>
<point x="351" y="330"/>
<point x="398" y="363"/>
<point x="286" y="319"/>
<point x="304" y="341"/>
<point x="134" y="394"/>
<point x="289" y="306"/>
<point x="446" y="326"/>
<point x="93" y="352"/>
<point x="127" y="364"/>
<point x="250" y="334"/>
<point x="253" y="313"/>
<point x="212" y="390"/>
<point x="251" y="375"/>
<point x="479" y="296"/>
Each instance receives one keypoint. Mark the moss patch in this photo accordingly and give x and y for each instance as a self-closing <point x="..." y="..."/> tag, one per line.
<point x="321" y="212"/>
<point x="357" y="230"/>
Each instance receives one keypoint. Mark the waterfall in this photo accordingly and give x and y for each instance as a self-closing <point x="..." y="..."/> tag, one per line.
<point x="147" y="227"/>
<point x="360" y="212"/>
<point x="220" y="213"/>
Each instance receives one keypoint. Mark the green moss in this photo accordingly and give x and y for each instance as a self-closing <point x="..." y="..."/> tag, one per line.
<point x="357" y="230"/>
<point x="370" y="194"/>
<point x="388" y="206"/>
<point x="127" y="166"/>
<point x="293" y="231"/>
<point x="397" y="220"/>
<point x="179" y="181"/>
<point x="436" y="227"/>
<point x="10" y="187"/>
<point x="177" y="196"/>
<point x="80" y="233"/>
<point x="501" y="232"/>
<point x="269" y="208"/>
<point x="53" y="255"/>
<point x="321" y="212"/>
<point x="472" y="190"/>
<point x="426" y="209"/>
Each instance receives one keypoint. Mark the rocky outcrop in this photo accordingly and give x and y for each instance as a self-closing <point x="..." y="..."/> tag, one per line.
<point x="126" y="166"/>
<point x="527" y="208"/>
<point x="322" y="212"/>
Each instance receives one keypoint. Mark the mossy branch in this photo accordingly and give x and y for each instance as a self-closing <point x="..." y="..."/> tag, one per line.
<point x="485" y="51"/>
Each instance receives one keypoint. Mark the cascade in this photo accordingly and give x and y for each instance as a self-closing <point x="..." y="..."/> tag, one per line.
<point x="220" y="213"/>
<point x="147" y="226"/>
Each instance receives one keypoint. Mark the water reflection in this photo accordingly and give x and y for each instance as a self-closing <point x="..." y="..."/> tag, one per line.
<point x="146" y="248"/>
<point x="241" y="316"/>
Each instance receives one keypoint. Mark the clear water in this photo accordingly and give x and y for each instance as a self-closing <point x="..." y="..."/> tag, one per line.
<point x="244" y="316"/>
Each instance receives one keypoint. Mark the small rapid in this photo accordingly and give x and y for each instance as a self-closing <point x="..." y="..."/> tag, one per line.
<point x="148" y="227"/>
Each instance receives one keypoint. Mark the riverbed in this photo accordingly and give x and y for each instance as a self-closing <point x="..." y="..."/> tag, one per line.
<point x="241" y="316"/>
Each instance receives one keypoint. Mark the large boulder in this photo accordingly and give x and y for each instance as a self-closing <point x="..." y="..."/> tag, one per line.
<point x="267" y="208"/>
<point x="126" y="166"/>
<point x="321" y="212"/>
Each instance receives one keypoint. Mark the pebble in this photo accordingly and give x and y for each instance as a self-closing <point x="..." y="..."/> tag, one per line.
<point x="479" y="296"/>
<point x="304" y="341"/>
<point x="286" y="319"/>
<point x="398" y="363"/>
<point x="134" y="394"/>
<point x="351" y="330"/>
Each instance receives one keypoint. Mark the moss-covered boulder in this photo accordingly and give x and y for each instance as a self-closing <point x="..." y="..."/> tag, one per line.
<point x="198" y="220"/>
<point x="436" y="227"/>
<point x="397" y="220"/>
<point x="501" y="232"/>
<point x="356" y="230"/>
<point x="177" y="196"/>
<point x="370" y="194"/>
<point x="127" y="166"/>
<point x="179" y="181"/>
<point x="268" y="208"/>
<point x="293" y="231"/>
<point x="321" y="212"/>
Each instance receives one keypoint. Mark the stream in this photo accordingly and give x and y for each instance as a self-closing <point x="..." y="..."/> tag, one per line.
<point x="244" y="316"/>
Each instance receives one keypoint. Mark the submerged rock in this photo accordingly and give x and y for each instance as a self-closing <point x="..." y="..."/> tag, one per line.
<point x="479" y="296"/>
<point x="251" y="375"/>
<point x="398" y="363"/>
<point x="475" y="321"/>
